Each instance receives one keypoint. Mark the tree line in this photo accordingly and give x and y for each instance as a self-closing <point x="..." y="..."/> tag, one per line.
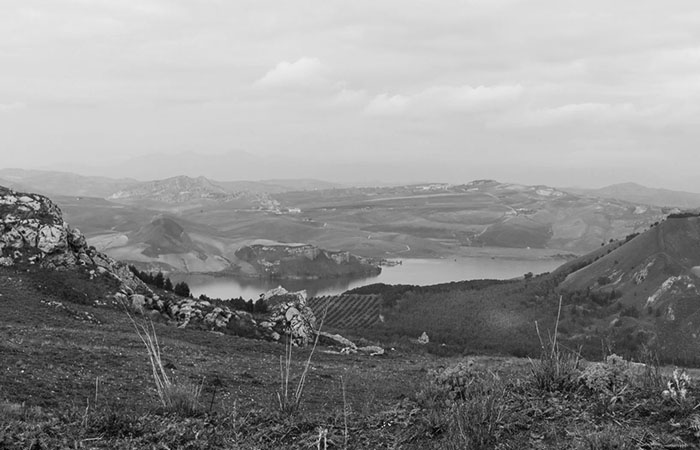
<point x="162" y="282"/>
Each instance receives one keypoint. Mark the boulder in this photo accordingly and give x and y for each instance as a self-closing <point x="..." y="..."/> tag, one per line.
<point x="424" y="339"/>
<point x="372" y="350"/>
<point x="137" y="303"/>
<point x="335" y="340"/>
<point x="290" y="315"/>
<point x="51" y="238"/>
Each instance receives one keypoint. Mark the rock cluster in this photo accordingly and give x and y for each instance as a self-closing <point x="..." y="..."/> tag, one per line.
<point x="290" y="315"/>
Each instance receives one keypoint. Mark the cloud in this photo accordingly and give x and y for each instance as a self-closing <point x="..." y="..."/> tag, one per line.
<point x="385" y="104"/>
<point x="6" y="107"/>
<point x="445" y="98"/>
<point x="576" y="113"/>
<point x="303" y="73"/>
<point x="350" y="97"/>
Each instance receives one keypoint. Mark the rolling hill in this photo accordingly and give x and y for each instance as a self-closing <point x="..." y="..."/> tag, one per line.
<point x="425" y="220"/>
<point x="63" y="183"/>
<point x="636" y="193"/>
<point x="483" y="213"/>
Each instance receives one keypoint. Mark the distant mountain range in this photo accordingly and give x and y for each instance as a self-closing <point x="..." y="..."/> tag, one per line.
<point x="636" y="193"/>
<point x="71" y="184"/>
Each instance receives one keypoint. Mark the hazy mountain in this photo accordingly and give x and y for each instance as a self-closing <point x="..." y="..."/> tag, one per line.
<point x="636" y="193"/>
<point x="234" y="165"/>
<point x="277" y="186"/>
<point x="63" y="183"/>
<point x="175" y="190"/>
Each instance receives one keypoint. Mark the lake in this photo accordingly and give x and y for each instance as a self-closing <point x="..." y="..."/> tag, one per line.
<point x="411" y="271"/>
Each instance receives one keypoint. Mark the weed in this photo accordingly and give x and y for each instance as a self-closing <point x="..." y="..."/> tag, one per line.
<point x="289" y="402"/>
<point x="557" y="370"/>
<point x="650" y="378"/>
<point x="476" y="421"/>
<point x="608" y="438"/>
<point x="179" y="397"/>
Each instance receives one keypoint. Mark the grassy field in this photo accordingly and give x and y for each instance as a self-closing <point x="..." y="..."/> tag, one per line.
<point x="74" y="374"/>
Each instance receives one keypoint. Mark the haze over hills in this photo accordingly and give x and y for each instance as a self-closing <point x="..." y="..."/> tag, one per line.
<point x="425" y="220"/>
<point x="636" y="193"/>
<point x="63" y="183"/>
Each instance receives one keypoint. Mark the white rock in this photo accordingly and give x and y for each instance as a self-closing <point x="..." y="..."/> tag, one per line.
<point x="51" y="238"/>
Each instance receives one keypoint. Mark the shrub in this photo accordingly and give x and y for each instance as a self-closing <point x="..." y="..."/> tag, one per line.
<point x="609" y="380"/>
<point x="678" y="388"/>
<point x="453" y="382"/>
<point x="476" y="421"/>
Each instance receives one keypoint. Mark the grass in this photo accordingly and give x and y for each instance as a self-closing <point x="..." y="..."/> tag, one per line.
<point x="50" y="368"/>
<point x="181" y="397"/>
<point x="288" y="401"/>
<point x="558" y="368"/>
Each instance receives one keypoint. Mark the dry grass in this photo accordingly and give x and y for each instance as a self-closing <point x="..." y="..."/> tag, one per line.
<point x="181" y="397"/>
<point x="289" y="401"/>
<point x="558" y="368"/>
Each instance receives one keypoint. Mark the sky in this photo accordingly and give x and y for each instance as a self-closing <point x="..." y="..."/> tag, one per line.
<point x="557" y="92"/>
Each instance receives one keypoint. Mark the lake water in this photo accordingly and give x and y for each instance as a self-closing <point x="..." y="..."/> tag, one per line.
<point x="411" y="271"/>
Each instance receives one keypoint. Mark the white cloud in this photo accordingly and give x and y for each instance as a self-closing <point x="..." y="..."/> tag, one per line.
<point x="6" y="107"/>
<point x="385" y="104"/>
<point x="303" y="73"/>
<point x="350" y="97"/>
<point x="577" y="113"/>
<point x="444" y="98"/>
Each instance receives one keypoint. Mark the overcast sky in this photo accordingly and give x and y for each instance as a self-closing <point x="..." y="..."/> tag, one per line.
<point x="551" y="92"/>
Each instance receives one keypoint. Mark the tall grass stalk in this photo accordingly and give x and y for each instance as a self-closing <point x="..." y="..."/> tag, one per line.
<point x="557" y="368"/>
<point x="289" y="402"/>
<point x="182" y="397"/>
<point x="346" y="412"/>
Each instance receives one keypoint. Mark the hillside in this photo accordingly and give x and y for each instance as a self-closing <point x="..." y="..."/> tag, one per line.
<point x="636" y="193"/>
<point x="634" y="293"/>
<point x="483" y="213"/>
<point x="63" y="183"/>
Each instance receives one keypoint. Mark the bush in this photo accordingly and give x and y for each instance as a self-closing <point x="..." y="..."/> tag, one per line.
<point x="609" y="379"/>
<point x="453" y="382"/>
<point x="476" y="422"/>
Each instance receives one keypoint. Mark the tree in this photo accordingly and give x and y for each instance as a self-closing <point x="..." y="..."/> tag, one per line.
<point x="168" y="285"/>
<point x="159" y="280"/>
<point x="260" y="306"/>
<point x="182" y="289"/>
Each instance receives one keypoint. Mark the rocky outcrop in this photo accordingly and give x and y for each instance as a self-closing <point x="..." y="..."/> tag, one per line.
<point x="301" y="261"/>
<point x="290" y="316"/>
<point x="33" y="232"/>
